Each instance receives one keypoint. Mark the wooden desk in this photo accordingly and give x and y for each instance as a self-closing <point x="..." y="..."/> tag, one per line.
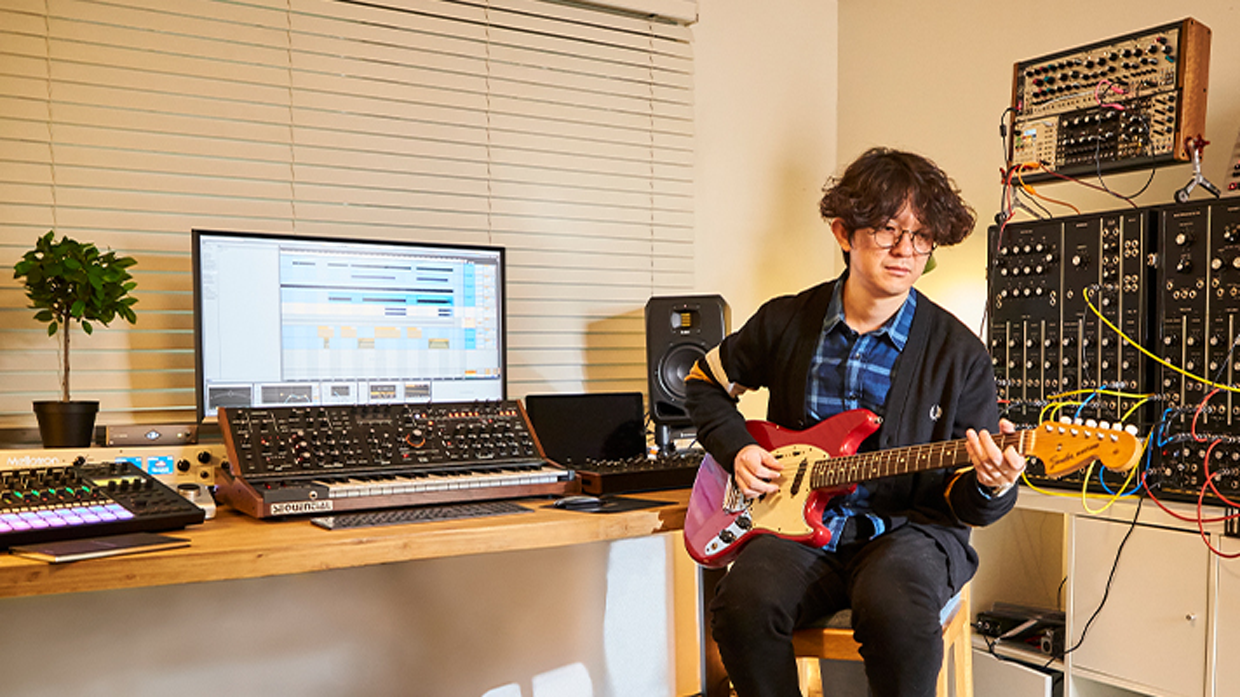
<point x="233" y="546"/>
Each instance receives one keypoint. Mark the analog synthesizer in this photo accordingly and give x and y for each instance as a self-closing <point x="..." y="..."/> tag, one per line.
<point x="297" y="460"/>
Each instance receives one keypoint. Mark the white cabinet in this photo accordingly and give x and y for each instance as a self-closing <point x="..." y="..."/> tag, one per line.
<point x="1170" y="626"/>
<point x="1152" y="632"/>
<point x="1227" y="633"/>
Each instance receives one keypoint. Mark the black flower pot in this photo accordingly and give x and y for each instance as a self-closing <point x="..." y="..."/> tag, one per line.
<point x="66" y="424"/>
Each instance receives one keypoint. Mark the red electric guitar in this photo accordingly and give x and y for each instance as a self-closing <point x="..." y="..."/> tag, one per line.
<point x="820" y="464"/>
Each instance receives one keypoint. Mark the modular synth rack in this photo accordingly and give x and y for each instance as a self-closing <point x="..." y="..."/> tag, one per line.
<point x="1075" y="305"/>
<point x="1199" y="301"/>
<point x="1124" y="103"/>
<point x="294" y="460"/>
<point x="46" y="504"/>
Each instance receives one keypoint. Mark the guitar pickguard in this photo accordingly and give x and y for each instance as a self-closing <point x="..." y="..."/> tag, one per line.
<point x="785" y="512"/>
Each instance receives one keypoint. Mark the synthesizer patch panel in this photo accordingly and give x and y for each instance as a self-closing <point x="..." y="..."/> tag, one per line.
<point x="1199" y="284"/>
<point x="1044" y="338"/>
<point x="1047" y="344"/>
<point x="1168" y="280"/>
<point x="1123" y="103"/>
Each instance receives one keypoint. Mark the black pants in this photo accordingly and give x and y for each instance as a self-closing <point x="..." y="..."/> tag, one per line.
<point x="895" y="584"/>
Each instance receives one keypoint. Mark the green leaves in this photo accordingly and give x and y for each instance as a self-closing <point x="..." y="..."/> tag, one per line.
<point x="70" y="281"/>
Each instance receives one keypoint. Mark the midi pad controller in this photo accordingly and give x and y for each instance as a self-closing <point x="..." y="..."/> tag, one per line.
<point x="290" y="460"/>
<point x="46" y="504"/>
<point x="1124" y="103"/>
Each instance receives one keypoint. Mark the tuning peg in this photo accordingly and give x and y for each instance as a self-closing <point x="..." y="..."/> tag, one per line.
<point x="1065" y="420"/>
<point x="1078" y="421"/>
<point x="1090" y="423"/>
<point x="1104" y="425"/>
<point x="1131" y="429"/>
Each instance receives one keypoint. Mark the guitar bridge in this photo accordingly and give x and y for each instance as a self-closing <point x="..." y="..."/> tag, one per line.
<point x="733" y="500"/>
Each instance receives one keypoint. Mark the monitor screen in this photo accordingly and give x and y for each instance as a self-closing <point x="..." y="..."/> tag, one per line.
<point x="292" y="320"/>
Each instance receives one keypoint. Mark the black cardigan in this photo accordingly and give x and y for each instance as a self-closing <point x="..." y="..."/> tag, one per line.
<point x="942" y="385"/>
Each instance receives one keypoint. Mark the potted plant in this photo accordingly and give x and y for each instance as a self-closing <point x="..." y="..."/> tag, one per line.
<point x="73" y="282"/>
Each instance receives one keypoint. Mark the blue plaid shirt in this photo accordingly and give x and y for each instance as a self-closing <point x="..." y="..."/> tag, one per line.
<point x="849" y="371"/>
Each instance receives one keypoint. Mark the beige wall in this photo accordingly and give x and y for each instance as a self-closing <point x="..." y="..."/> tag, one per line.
<point x="935" y="76"/>
<point x="765" y="118"/>
<point x="765" y="92"/>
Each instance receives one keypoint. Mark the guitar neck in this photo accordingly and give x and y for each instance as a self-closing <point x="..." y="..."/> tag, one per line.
<point x="851" y="469"/>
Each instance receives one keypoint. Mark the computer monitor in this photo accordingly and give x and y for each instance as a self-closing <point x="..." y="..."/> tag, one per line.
<point x="293" y="320"/>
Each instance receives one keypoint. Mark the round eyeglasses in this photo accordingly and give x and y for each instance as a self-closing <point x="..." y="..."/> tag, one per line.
<point x="888" y="236"/>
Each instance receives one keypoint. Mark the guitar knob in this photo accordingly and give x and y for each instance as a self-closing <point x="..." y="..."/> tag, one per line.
<point x="727" y="536"/>
<point x="744" y="523"/>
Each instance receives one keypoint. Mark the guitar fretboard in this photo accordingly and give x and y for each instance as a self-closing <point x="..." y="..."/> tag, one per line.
<point x="850" y="469"/>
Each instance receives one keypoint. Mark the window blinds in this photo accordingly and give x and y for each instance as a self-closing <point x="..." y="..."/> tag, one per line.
<point x="561" y="131"/>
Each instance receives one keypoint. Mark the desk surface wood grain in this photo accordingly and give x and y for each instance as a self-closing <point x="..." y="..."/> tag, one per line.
<point x="234" y="546"/>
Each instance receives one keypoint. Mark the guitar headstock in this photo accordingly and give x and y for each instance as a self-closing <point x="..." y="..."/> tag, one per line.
<point x="1068" y="446"/>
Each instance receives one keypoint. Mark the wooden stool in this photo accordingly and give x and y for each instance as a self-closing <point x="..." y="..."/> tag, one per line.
<point x="834" y="641"/>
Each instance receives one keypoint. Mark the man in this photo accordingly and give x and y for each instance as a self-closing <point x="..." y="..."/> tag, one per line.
<point x="900" y="547"/>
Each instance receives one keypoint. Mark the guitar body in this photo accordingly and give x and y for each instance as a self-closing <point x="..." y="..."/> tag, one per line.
<point x="717" y="525"/>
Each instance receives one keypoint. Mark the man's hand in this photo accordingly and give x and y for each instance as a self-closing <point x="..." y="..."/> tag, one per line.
<point x="755" y="470"/>
<point x="996" y="470"/>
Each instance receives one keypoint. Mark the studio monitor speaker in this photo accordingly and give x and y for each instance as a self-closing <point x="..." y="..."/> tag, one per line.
<point x="679" y="330"/>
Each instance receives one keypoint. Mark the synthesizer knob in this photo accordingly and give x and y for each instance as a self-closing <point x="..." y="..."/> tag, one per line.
<point x="1185" y="265"/>
<point x="1235" y="263"/>
<point x="1184" y="239"/>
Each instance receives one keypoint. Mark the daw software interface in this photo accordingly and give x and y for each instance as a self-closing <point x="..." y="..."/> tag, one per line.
<point x="287" y="320"/>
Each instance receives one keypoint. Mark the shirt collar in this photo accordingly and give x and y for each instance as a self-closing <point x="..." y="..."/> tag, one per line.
<point x="895" y="329"/>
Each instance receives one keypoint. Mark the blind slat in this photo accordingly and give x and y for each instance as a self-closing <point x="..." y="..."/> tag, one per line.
<point x="562" y="132"/>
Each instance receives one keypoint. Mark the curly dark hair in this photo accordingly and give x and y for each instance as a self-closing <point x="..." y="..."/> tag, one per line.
<point x="879" y="183"/>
